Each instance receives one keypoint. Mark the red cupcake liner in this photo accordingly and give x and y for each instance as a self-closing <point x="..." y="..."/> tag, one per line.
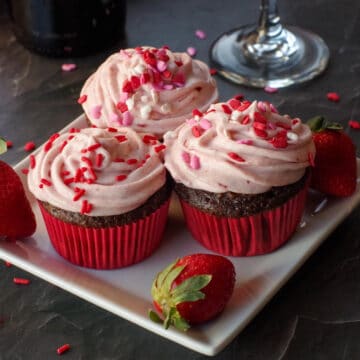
<point x="108" y="247"/>
<point x="249" y="235"/>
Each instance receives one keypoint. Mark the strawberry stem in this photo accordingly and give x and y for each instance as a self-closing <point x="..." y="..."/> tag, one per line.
<point x="320" y="123"/>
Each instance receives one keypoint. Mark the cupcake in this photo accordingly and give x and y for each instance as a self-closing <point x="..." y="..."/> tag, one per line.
<point x="152" y="90"/>
<point x="103" y="194"/>
<point x="241" y="172"/>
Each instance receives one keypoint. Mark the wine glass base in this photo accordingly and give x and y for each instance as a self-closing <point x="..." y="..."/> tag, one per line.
<point x="228" y="57"/>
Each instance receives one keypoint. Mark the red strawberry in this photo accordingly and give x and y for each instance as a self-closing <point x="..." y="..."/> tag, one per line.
<point x="335" y="171"/>
<point x="192" y="290"/>
<point x="16" y="217"/>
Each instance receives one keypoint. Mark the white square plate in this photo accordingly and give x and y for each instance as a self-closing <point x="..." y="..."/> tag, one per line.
<point x="126" y="292"/>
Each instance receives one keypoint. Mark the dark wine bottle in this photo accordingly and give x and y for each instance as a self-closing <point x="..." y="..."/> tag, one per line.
<point x="68" y="27"/>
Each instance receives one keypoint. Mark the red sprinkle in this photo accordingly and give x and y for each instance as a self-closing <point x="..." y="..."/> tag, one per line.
<point x="354" y="124"/>
<point x="32" y="161"/>
<point x="131" y="161"/>
<point x="9" y="144"/>
<point x="260" y="133"/>
<point x="82" y="99"/>
<point x="62" y="349"/>
<point x="87" y="160"/>
<point x="239" y="96"/>
<point x="111" y="129"/>
<point x="93" y="147"/>
<point x="235" y="157"/>
<point x="121" y="177"/>
<point x="197" y="112"/>
<point x="121" y="138"/>
<point x="45" y="182"/>
<point x="78" y="194"/>
<point x="234" y="103"/>
<point x="119" y="160"/>
<point x="149" y="139"/>
<point x="159" y="148"/>
<point x="62" y="146"/>
<point x="259" y="117"/>
<point x="8" y="264"/>
<point x="122" y="107"/>
<point x="213" y="71"/>
<point x="244" y="105"/>
<point x="226" y="109"/>
<point x="333" y="96"/>
<point x="196" y="131"/>
<point x="29" y="146"/>
<point x="245" y="120"/>
<point x="21" y="281"/>
<point x="99" y="159"/>
<point x="47" y="146"/>
<point x="25" y="171"/>
<point x="86" y="207"/>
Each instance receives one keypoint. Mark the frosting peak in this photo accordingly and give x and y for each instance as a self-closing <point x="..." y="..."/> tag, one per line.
<point x="152" y="90"/>
<point x="239" y="146"/>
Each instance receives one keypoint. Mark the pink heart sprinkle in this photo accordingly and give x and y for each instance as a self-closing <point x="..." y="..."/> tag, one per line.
<point x="245" y="142"/>
<point x="191" y="122"/>
<point x="205" y="124"/>
<point x="191" y="51"/>
<point x="127" y="118"/>
<point x="161" y="66"/>
<point x="115" y="118"/>
<point x="194" y="162"/>
<point x="95" y="112"/>
<point x="68" y="67"/>
<point x="168" y="86"/>
<point x="200" y="34"/>
<point x="186" y="157"/>
<point x="123" y="97"/>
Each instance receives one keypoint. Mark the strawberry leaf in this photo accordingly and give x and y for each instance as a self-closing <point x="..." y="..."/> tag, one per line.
<point x="188" y="296"/>
<point x="181" y="324"/>
<point x="153" y="316"/>
<point x="163" y="274"/>
<point x="3" y="146"/>
<point x="316" y="123"/>
<point x="171" y="276"/>
<point x="319" y="123"/>
<point x="191" y="284"/>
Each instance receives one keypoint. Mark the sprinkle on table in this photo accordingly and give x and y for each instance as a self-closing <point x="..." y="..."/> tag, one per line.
<point x="9" y="144"/>
<point x="21" y="281"/>
<point x="29" y="146"/>
<point x="68" y="67"/>
<point x="333" y="96"/>
<point x="354" y="124"/>
<point x="62" y="349"/>
<point x="200" y="34"/>
<point x="213" y="71"/>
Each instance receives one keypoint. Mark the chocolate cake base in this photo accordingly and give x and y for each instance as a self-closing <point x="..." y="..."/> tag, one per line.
<point x="230" y="204"/>
<point x="152" y="204"/>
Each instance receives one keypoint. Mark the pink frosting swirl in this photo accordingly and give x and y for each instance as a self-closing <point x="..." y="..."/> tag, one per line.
<point x="97" y="172"/>
<point x="241" y="147"/>
<point x="152" y="90"/>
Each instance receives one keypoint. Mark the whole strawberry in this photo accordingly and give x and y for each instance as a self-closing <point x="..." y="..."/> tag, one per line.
<point x="192" y="290"/>
<point x="17" y="219"/>
<point x="335" y="170"/>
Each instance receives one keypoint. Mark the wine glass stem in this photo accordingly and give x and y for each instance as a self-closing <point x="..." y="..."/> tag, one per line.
<point x="270" y="42"/>
<point x="269" y="21"/>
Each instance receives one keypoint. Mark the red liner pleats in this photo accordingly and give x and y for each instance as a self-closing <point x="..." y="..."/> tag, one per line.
<point x="110" y="247"/>
<point x="249" y="235"/>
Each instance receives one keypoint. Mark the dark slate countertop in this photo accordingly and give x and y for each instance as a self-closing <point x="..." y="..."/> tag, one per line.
<point x="316" y="315"/>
